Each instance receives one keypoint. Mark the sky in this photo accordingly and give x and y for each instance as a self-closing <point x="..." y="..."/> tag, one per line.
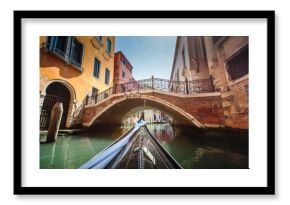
<point x="149" y="55"/>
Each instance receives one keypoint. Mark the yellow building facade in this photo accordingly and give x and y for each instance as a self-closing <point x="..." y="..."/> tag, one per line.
<point x="71" y="68"/>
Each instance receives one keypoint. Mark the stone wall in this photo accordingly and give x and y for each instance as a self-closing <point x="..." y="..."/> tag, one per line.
<point x="235" y="103"/>
<point x="189" y="59"/>
<point x="234" y="93"/>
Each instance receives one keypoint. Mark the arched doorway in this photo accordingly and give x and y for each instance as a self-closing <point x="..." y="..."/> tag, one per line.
<point x="55" y="92"/>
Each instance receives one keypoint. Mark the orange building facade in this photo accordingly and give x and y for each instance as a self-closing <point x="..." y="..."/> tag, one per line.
<point x="71" y="68"/>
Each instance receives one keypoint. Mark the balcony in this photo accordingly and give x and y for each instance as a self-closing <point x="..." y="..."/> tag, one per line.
<point x="61" y="54"/>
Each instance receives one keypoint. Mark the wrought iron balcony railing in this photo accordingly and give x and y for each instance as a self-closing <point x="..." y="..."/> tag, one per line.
<point x="63" y="55"/>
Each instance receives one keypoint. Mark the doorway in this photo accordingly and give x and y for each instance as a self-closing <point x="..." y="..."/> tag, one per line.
<point x="55" y="92"/>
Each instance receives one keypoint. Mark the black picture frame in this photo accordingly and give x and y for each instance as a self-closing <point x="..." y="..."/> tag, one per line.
<point x="19" y="189"/>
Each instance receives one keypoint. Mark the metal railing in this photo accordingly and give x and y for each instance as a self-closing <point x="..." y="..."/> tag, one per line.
<point x="62" y="55"/>
<point x="44" y="118"/>
<point x="181" y="87"/>
<point x="99" y="97"/>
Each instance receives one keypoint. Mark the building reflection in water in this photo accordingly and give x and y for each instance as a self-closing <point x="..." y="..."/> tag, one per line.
<point x="163" y="132"/>
<point x="195" y="150"/>
<point x="228" y="150"/>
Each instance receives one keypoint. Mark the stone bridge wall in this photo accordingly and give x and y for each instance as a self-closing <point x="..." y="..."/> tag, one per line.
<point x="206" y="108"/>
<point x="91" y="111"/>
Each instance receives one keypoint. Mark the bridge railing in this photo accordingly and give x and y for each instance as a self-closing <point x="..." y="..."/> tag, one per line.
<point x="100" y="96"/>
<point x="181" y="87"/>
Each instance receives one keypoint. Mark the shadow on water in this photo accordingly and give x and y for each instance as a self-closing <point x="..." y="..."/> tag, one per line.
<point x="216" y="148"/>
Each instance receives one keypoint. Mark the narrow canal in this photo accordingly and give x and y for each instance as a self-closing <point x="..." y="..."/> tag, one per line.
<point x="215" y="149"/>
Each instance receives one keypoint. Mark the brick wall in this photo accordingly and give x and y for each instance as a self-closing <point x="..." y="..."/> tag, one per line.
<point x="234" y="93"/>
<point x="236" y="110"/>
<point x="207" y="110"/>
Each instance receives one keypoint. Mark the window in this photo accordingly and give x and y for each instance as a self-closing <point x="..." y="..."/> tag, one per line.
<point x="61" y="44"/>
<point x="76" y="56"/>
<point x="108" y="45"/>
<point x="58" y="44"/>
<point x="49" y="41"/>
<point x="238" y="65"/>
<point x="67" y="48"/>
<point x="96" y="68"/>
<point x="123" y="74"/>
<point x="107" y="76"/>
<point x="100" y="38"/>
<point x="94" y="91"/>
<point x="124" y="62"/>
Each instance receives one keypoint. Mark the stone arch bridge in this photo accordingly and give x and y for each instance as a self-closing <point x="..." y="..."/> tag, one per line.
<point x="188" y="102"/>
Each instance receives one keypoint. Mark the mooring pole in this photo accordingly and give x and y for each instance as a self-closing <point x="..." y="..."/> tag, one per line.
<point x="54" y="123"/>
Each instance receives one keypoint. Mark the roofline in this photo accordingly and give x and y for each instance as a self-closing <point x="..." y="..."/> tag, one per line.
<point x="121" y="53"/>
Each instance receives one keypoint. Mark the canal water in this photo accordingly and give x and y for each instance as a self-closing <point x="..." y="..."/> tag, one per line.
<point x="214" y="149"/>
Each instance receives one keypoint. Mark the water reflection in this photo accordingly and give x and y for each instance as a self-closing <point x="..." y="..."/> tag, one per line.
<point x="69" y="152"/>
<point x="163" y="132"/>
<point x="217" y="149"/>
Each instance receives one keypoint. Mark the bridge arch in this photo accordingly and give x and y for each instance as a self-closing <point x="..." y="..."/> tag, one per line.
<point x="113" y="112"/>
